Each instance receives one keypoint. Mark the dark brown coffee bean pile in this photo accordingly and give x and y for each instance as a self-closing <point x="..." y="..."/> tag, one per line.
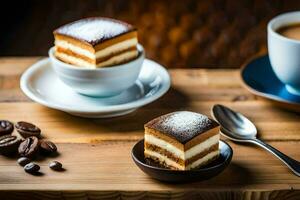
<point x="6" y="127"/>
<point x="55" y="165"/>
<point x="29" y="148"/>
<point x="31" y="168"/>
<point x="27" y="129"/>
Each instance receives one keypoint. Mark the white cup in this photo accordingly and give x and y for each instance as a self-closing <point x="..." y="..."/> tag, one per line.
<point x="284" y="53"/>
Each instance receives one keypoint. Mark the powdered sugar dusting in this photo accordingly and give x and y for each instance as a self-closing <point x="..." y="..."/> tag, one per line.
<point x="182" y="125"/>
<point x="185" y="121"/>
<point x="93" y="30"/>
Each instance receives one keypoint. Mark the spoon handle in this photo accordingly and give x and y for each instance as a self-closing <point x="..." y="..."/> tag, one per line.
<point x="291" y="163"/>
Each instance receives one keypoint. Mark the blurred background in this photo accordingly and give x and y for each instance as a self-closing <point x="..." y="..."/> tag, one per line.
<point x="186" y="33"/>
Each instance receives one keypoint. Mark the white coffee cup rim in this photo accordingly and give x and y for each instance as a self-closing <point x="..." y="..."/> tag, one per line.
<point x="272" y="30"/>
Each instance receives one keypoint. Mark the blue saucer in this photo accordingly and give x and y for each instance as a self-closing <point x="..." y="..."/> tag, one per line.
<point x="260" y="79"/>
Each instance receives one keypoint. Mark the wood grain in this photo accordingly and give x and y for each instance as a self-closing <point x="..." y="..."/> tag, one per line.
<point x="108" y="165"/>
<point x="96" y="152"/>
<point x="62" y="127"/>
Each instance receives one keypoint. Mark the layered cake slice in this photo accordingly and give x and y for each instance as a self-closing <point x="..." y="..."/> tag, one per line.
<point x="96" y="42"/>
<point x="182" y="140"/>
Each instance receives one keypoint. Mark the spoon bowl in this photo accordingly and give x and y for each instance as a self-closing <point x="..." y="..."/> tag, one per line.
<point x="233" y="123"/>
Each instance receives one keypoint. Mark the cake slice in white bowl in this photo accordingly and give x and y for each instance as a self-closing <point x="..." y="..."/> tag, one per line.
<point x="96" y="42"/>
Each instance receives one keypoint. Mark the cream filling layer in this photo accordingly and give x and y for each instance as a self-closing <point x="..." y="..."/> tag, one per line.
<point x="128" y="55"/>
<point x="113" y="60"/>
<point x="194" y="164"/>
<point x="184" y="155"/>
<point x="126" y="44"/>
<point x="75" y="61"/>
<point x="203" y="160"/>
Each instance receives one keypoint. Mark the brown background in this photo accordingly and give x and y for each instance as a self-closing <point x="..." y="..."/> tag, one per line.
<point x="186" y="33"/>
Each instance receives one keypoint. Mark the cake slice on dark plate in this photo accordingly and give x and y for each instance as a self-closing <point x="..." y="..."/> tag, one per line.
<point x="182" y="140"/>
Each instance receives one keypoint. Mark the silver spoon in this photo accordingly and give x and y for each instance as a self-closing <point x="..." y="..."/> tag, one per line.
<point x="237" y="127"/>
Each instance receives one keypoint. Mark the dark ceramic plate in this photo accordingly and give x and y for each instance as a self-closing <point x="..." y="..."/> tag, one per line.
<point x="169" y="175"/>
<point x="259" y="78"/>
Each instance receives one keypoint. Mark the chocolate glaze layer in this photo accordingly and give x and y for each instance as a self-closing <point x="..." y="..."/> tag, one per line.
<point x="182" y="125"/>
<point x="95" y="30"/>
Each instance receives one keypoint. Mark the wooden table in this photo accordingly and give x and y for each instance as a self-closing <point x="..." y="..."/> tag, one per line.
<point x="96" y="152"/>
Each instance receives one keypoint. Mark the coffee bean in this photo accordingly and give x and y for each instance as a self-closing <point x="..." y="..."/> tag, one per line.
<point x="29" y="147"/>
<point x="27" y="129"/>
<point x="55" y="165"/>
<point x="6" y="127"/>
<point x="23" y="161"/>
<point x="9" y="144"/>
<point x="47" y="147"/>
<point x="31" y="168"/>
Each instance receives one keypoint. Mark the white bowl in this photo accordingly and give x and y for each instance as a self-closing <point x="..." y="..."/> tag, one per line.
<point x="99" y="82"/>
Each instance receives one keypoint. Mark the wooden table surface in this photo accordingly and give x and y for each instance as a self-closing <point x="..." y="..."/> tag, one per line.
<point x="96" y="152"/>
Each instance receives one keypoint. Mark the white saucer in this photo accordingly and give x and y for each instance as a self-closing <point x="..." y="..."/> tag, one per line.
<point x="40" y="83"/>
